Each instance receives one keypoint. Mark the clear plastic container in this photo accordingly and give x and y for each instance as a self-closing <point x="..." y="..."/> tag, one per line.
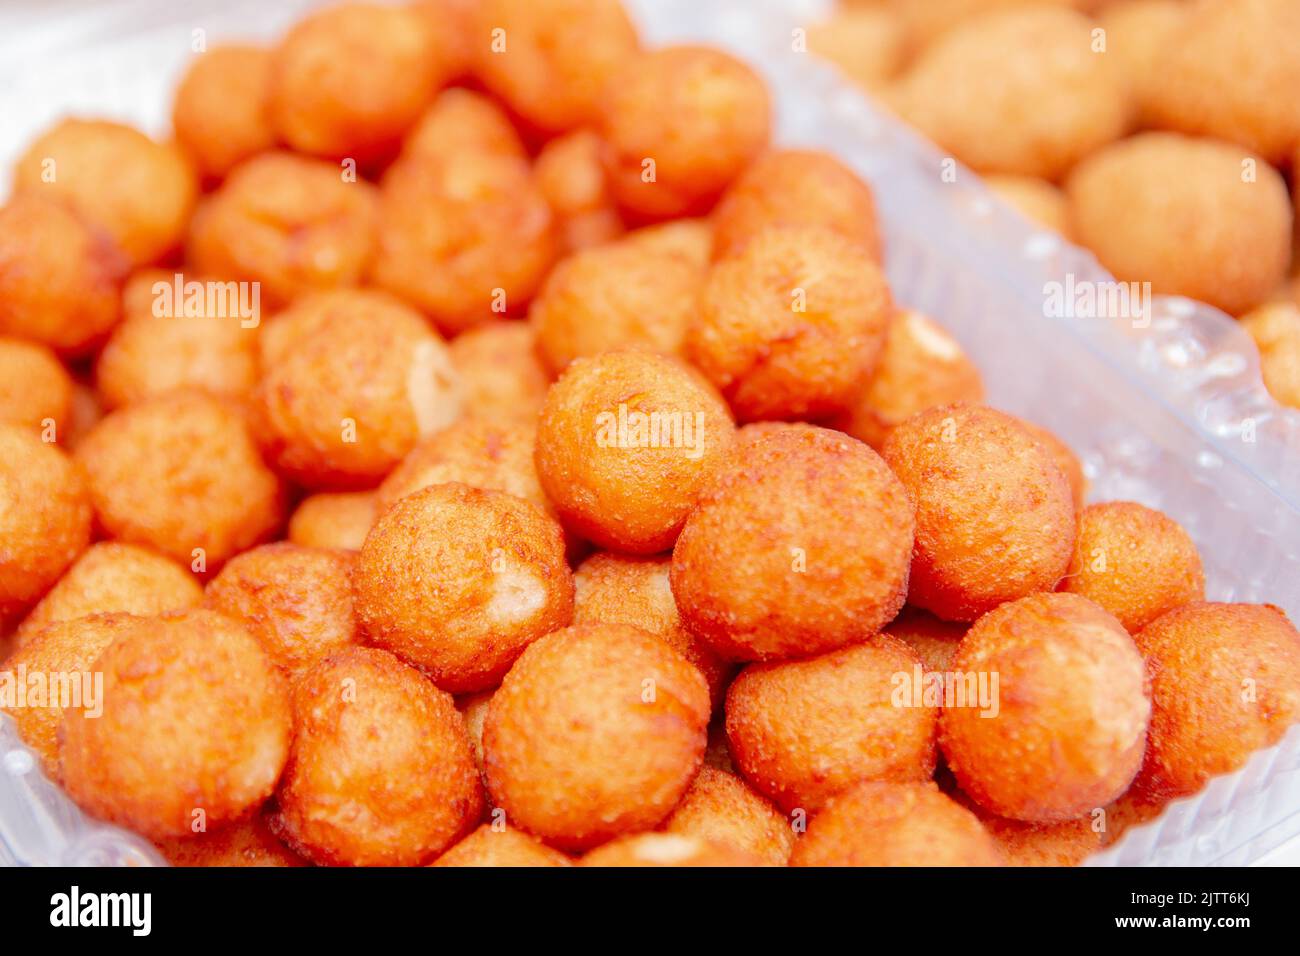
<point x="1172" y="414"/>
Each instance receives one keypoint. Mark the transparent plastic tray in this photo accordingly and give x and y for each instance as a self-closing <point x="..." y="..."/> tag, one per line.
<point x="1172" y="415"/>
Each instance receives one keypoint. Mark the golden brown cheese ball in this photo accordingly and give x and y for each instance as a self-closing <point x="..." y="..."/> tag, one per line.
<point x="549" y="60"/>
<point x="333" y="520"/>
<point x="933" y="640"/>
<point x="1020" y="91"/>
<point x="721" y="809"/>
<point x="220" y="113"/>
<point x="139" y="191"/>
<point x="1063" y="731"/>
<point x="347" y="81"/>
<point x="1036" y="200"/>
<point x="921" y="366"/>
<point x="487" y="846"/>
<point x="351" y="381"/>
<point x="117" y="577"/>
<point x="895" y="824"/>
<point x="869" y="44"/>
<point x="195" y="727"/>
<point x="59" y="275"/>
<point x="1138" y="33"/>
<point x="1193" y="217"/>
<point x="1134" y="562"/>
<point x="624" y="443"/>
<point x="994" y="515"/>
<point x="291" y="223"/>
<point x="35" y="388"/>
<point x="614" y="296"/>
<point x="465" y="121"/>
<point x="453" y="32"/>
<point x="1225" y="682"/>
<point x="596" y="731"/>
<point x="181" y="472"/>
<point x="502" y="374"/>
<point x="45" y="516"/>
<point x="245" y="843"/>
<point x="668" y="849"/>
<point x="60" y="651"/>
<point x="1040" y="844"/>
<point x="624" y="589"/>
<point x="458" y="581"/>
<point x="680" y="123"/>
<point x="800" y="544"/>
<point x="789" y="326"/>
<point x="689" y="239"/>
<point x="464" y="237"/>
<point x="380" y="773"/>
<point x="1066" y="460"/>
<point x="1276" y="331"/>
<point x="795" y="187"/>
<point x="296" y="601"/>
<point x="571" y="175"/>
<point x="802" y="731"/>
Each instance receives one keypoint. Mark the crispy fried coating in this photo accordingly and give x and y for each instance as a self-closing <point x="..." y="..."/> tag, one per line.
<point x="220" y="112"/>
<point x="487" y="846"/>
<point x="668" y="849"/>
<point x="721" y="809"/>
<point x="503" y="376"/>
<point x="333" y="520"/>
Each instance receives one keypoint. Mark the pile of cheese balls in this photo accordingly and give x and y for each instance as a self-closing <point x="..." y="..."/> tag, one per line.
<point x="578" y="493"/>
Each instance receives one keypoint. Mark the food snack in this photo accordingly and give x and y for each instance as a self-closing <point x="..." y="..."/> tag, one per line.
<point x="333" y="520"/>
<point x="461" y="120"/>
<point x="571" y="175"/>
<point x="1066" y="460"/>
<point x="667" y="849"/>
<point x="1035" y="199"/>
<point x="721" y="809"/>
<point x="933" y="640"/>
<point x="502" y="375"/>
<point x="246" y="843"/>
<point x="869" y="44"/>
<point x="488" y="846"/>
<point x="220" y="111"/>
<point x="35" y="388"/>
<point x="1276" y="331"/>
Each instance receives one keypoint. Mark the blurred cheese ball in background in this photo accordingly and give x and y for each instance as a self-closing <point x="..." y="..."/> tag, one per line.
<point x="35" y="388"/>
<point x="461" y="120"/>
<point x="870" y="44"/>
<point x="1035" y="199"/>
<point x="220" y="112"/>
<point x="571" y="174"/>
<point x="333" y="520"/>
<point x="1138" y="32"/>
<point x="501" y="372"/>
<point x="1275" y="328"/>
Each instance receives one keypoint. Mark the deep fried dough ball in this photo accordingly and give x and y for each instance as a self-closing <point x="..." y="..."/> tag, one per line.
<point x="994" y="515"/>
<point x="333" y="520"/>
<point x="181" y="472"/>
<point x="503" y="376"/>
<point x="1065" y="459"/>
<point x="348" y="81"/>
<point x="508" y="847"/>
<point x="795" y="187"/>
<point x="895" y="824"/>
<point x="453" y="31"/>
<point x="921" y="366"/>
<point x="1138" y="32"/>
<point x="461" y="120"/>
<point x="928" y="21"/>
<point x="668" y="849"/>
<point x="1065" y="728"/>
<point x="689" y="239"/>
<point x="220" y="111"/>
<point x="625" y="441"/>
<point x="721" y="809"/>
<point x="351" y="381"/>
<point x="1233" y="229"/>
<point x="596" y="731"/>
<point x="868" y="44"/>
<point x="788" y="327"/>
<point x="622" y="589"/>
<point x="933" y="640"/>
<point x="1276" y="331"/>
<point x="680" y="123"/>
<point x="380" y="773"/>
<point x="1134" y="562"/>
<point x="550" y="59"/>
<point x="802" y="731"/>
<point x="458" y="580"/>
<point x="291" y="223"/>
<point x="1020" y="91"/>
<point x="1038" y="844"/>
<point x="45" y="516"/>
<point x="195" y="726"/>
<point x="139" y="191"/>
<point x="1036" y="200"/>
<point x="463" y="236"/>
<point x="614" y="296"/>
<point x="571" y="174"/>
<point x="800" y="544"/>
<point x="245" y="843"/>
<point x="59" y="275"/>
<point x="35" y="388"/>
<point x="1225" y="682"/>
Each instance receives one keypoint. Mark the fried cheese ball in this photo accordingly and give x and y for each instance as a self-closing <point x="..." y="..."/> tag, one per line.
<point x="139" y="191"/>
<point x="195" y="726"/>
<point x="380" y="773"/>
<point x="625" y="441"/>
<point x="624" y="589"/>
<point x="680" y="123"/>
<point x="462" y="120"/>
<point x="927" y="22"/>
<point x="35" y="388"/>
<point x="1229" y="209"/>
<point x="800" y="544"/>
<point x="1019" y="91"/>
<point x="994" y="515"/>
<point x="351" y="381"/>
<point x="1138" y="33"/>
<point x="457" y="581"/>
<point x="182" y="474"/>
<point x="296" y="601"/>
<point x="801" y="731"/>
<point x="933" y="640"/>
<point x="1065" y="459"/>
<point x="1276" y="331"/>
<point x="45" y="516"/>
<point x="667" y="849"/>
<point x="1064" y="730"/>
<point x="1134" y="562"/>
<point x="347" y="81"/>
<point x="614" y="296"/>
<point x="502" y="374"/>
<point x="921" y="366"/>
<point x="1039" y="844"/>
<point x="487" y="846"/>
<point x="549" y="60"/>
<point x="290" y="223"/>
<point x="788" y="327"/>
<point x="895" y="824"/>
<point x="571" y="174"/>
<point x="1225" y="682"/>
<point x="59" y="276"/>
<point x="333" y="520"/>
<point x="795" y="187"/>
<point x="245" y="843"/>
<point x="689" y="239"/>
<point x="220" y="111"/>
<point x="1036" y="200"/>
<point x="596" y="731"/>
<point x="869" y="44"/>
<point x="722" y="810"/>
